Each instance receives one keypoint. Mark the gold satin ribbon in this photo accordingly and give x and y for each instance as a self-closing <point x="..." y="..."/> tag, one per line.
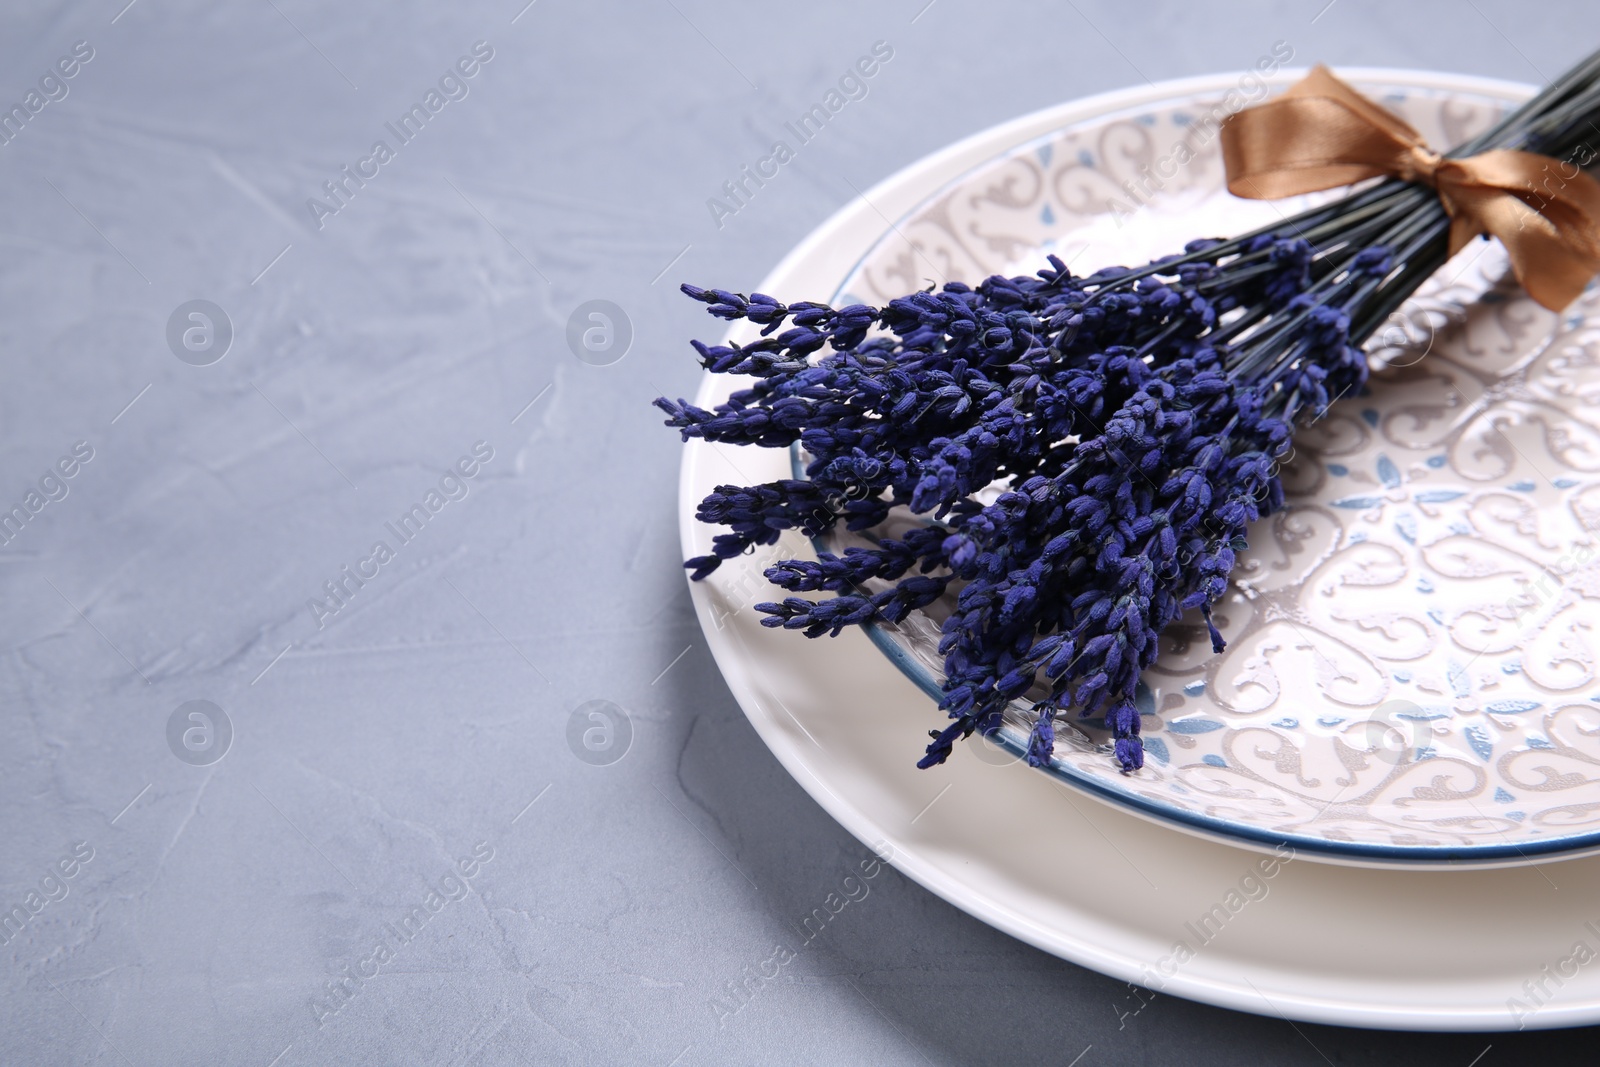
<point x="1322" y="133"/>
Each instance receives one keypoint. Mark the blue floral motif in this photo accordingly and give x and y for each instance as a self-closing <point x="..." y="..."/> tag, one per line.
<point x="1388" y="473"/>
<point x="1193" y="726"/>
<point x="1511" y="707"/>
<point x="1480" y="741"/>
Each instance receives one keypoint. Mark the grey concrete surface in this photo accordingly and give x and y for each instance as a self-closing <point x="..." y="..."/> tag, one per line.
<point x="412" y="737"/>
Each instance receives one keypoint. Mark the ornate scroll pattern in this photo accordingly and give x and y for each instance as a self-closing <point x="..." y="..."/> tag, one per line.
<point x="1412" y="655"/>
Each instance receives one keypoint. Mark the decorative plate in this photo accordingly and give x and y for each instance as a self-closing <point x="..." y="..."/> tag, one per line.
<point x="1410" y="674"/>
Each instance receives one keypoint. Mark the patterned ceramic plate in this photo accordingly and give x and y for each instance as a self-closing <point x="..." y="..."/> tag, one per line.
<point x="1410" y="674"/>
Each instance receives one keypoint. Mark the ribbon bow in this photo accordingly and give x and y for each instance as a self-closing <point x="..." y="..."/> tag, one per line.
<point x="1322" y="133"/>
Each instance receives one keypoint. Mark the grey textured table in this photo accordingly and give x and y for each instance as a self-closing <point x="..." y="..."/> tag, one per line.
<point x="376" y="842"/>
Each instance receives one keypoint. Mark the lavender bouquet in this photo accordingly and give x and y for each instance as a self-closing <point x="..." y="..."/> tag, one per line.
<point x="1123" y="430"/>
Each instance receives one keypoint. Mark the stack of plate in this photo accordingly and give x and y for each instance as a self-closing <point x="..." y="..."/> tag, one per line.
<point x="1374" y="807"/>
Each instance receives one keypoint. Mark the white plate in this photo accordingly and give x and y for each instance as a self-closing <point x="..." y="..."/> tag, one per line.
<point x="1478" y="949"/>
